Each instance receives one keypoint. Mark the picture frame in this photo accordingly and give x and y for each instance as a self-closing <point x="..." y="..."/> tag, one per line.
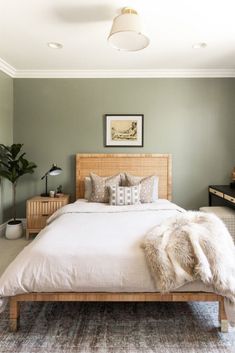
<point x="124" y="130"/>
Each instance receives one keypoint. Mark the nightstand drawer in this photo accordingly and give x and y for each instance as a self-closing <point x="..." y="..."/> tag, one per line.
<point x="216" y="192"/>
<point x="44" y="208"/>
<point x="39" y="209"/>
<point x="229" y="198"/>
<point x="37" y="222"/>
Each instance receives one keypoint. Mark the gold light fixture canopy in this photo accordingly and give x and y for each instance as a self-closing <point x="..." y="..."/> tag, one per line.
<point x="126" y="32"/>
<point x="129" y="10"/>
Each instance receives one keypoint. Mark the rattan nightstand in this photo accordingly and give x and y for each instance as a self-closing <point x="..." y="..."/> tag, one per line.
<point x="39" y="209"/>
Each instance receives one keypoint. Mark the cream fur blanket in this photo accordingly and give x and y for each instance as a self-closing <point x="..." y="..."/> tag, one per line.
<point x="193" y="245"/>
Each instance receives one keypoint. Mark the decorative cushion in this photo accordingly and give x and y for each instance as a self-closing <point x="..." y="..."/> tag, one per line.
<point x="100" y="187"/>
<point x="88" y="185"/>
<point x="123" y="179"/>
<point x="88" y="188"/>
<point x="124" y="195"/>
<point x="149" y="187"/>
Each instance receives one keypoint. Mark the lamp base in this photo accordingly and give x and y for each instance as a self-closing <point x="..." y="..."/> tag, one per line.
<point x="232" y="185"/>
<point x="45" y="195"/>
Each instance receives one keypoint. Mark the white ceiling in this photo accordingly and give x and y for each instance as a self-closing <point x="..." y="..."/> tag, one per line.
<point x="83" y="26"/>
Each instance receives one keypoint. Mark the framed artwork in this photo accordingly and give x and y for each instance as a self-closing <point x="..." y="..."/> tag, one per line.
<point x="124" y="130"/>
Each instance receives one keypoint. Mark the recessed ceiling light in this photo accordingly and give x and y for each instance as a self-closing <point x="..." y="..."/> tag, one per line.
<point x="54" y="45"/>
<point x="199" y="45"/>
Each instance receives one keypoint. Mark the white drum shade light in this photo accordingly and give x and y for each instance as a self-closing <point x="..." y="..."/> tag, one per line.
<point x="126" y="32"/>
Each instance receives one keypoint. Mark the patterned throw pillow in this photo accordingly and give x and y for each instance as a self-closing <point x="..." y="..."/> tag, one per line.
<point x="88" y="185"/>
<point x="88" y="188"/>
<point x="100" y="187"/>
<point x="124" y="195"/>
<point x="148" y="187"/>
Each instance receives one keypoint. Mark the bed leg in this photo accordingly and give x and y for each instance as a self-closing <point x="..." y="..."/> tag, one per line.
<point x="14" y="314"/>
<point x="223" y="317"/>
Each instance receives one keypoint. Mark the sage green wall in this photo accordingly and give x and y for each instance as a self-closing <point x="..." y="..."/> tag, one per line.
<point x="6" y="137"/>
<point x="194" y="119"/>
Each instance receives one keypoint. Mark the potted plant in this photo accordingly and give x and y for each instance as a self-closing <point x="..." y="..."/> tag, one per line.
<point x="13" y="165"/>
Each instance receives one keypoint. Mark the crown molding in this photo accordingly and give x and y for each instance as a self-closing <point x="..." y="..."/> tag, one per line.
<point x="158" y="73"/>
<point x="170" y="73"/>
<point x="7" y="68"/>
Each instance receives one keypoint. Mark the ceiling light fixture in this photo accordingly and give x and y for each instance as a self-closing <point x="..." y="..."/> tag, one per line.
<point x="199" y="45"/>
<point x="126" y="32"/>
<point x="54" y="45"/>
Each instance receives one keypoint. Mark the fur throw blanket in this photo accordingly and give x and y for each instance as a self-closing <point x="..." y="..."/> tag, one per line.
<point x="193" y="245"/>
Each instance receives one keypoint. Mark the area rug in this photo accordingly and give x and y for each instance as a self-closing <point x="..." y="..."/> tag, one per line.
<point x="116" y="328"/>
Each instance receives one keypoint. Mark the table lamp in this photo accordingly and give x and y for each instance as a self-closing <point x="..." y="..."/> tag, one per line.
<point x="53" y="171"/>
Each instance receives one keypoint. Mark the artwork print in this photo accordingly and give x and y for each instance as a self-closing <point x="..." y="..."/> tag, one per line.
<point x="124" y="130"/>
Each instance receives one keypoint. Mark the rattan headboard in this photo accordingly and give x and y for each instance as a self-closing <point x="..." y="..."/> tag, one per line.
<point x="136" y="164"/>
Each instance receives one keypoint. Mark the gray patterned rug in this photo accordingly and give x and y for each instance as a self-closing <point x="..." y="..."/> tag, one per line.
<point x="116" y="328"/>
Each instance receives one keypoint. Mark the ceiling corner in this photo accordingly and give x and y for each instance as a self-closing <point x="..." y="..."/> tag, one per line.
<point x="7" y="68"/>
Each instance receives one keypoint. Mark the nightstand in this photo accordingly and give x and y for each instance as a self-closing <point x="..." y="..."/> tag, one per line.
<point x="221" y="195"/>
<point x="39" y="209"/>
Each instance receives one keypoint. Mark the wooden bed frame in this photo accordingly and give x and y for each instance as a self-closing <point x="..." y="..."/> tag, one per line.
<point x="105" y="165"/>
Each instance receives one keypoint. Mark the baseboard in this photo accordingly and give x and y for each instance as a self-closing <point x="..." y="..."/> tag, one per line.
<point x="3" y="226"/>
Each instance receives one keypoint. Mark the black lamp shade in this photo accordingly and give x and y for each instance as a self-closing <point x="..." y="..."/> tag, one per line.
<point x="55" y="170"/>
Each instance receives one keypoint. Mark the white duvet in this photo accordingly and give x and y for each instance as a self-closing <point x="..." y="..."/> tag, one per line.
<point x="90" y="247"/>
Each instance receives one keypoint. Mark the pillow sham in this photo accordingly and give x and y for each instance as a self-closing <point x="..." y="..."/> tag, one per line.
<point x="148" y="187"/>
<point x="88" y="185"/>
<point x="100" y="187"/>
<point x="124" y="195"/>
<point x="88" y="188"/>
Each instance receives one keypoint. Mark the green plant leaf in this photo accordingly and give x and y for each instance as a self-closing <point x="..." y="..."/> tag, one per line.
<point x="13" y="167"/>
<point x="3" y="164"/>
<point x="6" y="174"/>
<point x="15" y="149"/>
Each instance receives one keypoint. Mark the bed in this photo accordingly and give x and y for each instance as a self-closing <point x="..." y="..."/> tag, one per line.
<point x="95" y="265"/>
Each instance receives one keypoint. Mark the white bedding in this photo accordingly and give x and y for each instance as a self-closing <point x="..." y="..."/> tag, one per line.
<point x="90" y="247"/>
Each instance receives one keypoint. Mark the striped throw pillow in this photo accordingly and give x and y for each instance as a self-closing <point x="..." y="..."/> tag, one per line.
<point x="123" y="195"/>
